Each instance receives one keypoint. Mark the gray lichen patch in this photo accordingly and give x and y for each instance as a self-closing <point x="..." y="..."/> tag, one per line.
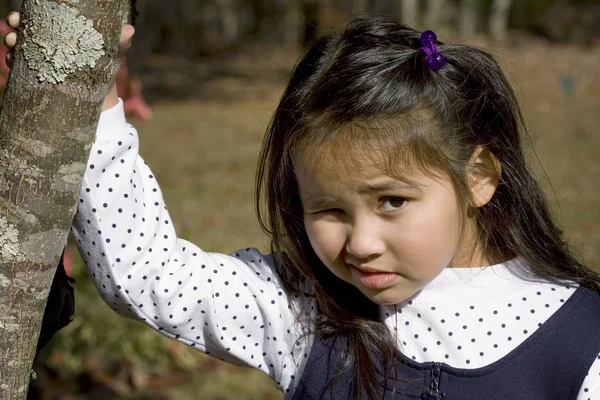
<point x="28" y="283"/>
<point x="9" y="242"/>
<point x="4" y="282"/>
<point x="76" y="168"/>
<point x="44" y="247"/>
<point x="23" y="388"/>
<point x="69" y="177"/>
<point x="21" y="214"/>
<point x="37" y="148"/>
<point x="67" y="183"/>
<point x="59" y="41"/>
<point x="39" y="294"/>
<point x="9" y="323"/>
<point x="81" y="135"/>
<point x="10" y="161"/>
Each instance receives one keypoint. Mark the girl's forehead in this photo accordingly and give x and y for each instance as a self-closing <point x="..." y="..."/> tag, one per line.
<point x="400" y="147"/>
<point x="327" y="182"/>
<point x="360" y="156"/>
<point x="354" y="165"/>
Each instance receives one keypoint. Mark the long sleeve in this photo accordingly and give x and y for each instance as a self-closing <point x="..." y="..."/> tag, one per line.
<point x="232" y="307"/>
<point x="590" y="389"/>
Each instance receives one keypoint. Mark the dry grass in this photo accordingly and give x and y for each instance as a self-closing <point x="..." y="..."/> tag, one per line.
<point x="560" y="91"/>
<point x="206" y="168"/>
<point x="204" y="152"/>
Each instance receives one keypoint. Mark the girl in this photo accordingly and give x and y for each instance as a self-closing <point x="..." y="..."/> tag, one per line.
<point x="413" y="255"/>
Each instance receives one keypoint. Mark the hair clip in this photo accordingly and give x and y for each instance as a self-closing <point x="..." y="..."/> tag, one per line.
<point x="435" y="59"/>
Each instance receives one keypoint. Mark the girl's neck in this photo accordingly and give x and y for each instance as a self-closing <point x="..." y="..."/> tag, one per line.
<point x="470" y="254"/>
<point x="476" y="260"/>
<point x="476" y="282"/>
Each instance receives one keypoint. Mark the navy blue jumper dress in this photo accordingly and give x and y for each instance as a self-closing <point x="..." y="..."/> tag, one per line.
<point x="549" y="365"/>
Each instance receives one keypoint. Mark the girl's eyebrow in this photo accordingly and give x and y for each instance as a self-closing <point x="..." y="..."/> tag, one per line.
<point x="388" y="185"/>
<point x="318" y="202"/>
<point x="365" y="188"/>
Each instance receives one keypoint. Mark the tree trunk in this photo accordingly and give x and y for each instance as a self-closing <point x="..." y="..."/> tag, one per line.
<point x="289" y="22"/>
<point x="293" y="21"/>
<point x="227" y="12"/>
<point x="360" y="7"/>
<point x="468" y="17"/>
<point x="65" y="60"/>
<point x="498" y="23"/>
<point x="432" y="16"/>
<point x="409" y="10"/>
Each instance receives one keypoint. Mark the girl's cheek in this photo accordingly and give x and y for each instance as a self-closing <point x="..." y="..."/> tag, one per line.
<point x="326" y="237"/>
<point x="428" y="230"/>
<point x="323" y="231"/>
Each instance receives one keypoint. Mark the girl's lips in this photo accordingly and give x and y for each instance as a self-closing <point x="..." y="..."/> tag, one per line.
<point x="373" y="280"/>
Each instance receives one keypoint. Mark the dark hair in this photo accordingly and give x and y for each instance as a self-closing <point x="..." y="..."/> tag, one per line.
<point x="372" y="75"/>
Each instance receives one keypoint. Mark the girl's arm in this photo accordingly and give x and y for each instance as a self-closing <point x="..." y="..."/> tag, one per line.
<point x="231" y="307"/>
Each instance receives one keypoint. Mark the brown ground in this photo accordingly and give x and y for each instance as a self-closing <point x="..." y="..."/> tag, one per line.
<point x="232" y="101"/>
<point x="209" y="185"/>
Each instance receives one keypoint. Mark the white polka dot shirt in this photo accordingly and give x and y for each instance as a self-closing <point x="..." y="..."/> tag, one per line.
<point x="234" y="308"/>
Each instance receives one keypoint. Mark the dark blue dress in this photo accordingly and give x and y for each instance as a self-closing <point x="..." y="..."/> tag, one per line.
<point x="549" y="365"/>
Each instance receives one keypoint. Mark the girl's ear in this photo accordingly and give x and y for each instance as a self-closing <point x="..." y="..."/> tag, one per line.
<point x="484" y="172"/>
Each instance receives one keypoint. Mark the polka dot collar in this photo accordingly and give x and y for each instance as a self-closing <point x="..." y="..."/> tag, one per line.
<point x="486" y="281"/>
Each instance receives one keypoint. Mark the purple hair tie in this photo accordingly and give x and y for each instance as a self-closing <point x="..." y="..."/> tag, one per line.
<point x="435" y="59"/>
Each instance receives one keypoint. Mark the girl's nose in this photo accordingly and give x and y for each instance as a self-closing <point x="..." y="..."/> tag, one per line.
<point x="365" y="240"/>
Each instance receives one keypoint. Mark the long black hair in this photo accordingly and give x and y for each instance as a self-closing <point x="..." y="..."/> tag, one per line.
<point x="372" y="75"/>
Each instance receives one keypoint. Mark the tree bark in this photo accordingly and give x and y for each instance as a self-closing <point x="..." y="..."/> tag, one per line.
<point x="227" y="12"/>
<point x="289" y="20"/>
<point x="468" y="17"/>
<point x="409" y="10"/>
<point x="432" y="16"/>
<point x="360" y="6"/>
<point x="293" y="22"/>
<point x="65" y="61"/>
<point x="498" y="23"/>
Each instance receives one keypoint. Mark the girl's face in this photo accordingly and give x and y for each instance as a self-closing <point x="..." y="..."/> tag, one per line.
<point x="387" y="237"/>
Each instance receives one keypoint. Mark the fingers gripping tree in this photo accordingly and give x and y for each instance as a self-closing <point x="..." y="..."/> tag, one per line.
<point x="65" y="60"/>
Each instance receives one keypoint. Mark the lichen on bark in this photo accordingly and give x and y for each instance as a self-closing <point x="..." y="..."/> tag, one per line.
<point x="59" y="41"/>
<point x="46" y="131"/>
<point x="9" y="242"/>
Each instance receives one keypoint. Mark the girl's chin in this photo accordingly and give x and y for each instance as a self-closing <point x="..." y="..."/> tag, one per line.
<point x="389" y="296"/>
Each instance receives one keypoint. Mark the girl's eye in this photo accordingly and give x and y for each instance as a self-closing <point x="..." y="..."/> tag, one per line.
<point x="327" y="211"/>
<point x="393" y="203"/>
<point x="332" y="211"/>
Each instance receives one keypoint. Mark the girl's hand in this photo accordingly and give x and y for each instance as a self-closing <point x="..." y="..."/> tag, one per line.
<point x="10" y="40"/>
<point x="112" y="98"/>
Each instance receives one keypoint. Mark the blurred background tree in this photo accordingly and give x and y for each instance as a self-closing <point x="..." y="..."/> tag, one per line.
<point x="202" y="62"/>
<point x="199" y="27"/>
